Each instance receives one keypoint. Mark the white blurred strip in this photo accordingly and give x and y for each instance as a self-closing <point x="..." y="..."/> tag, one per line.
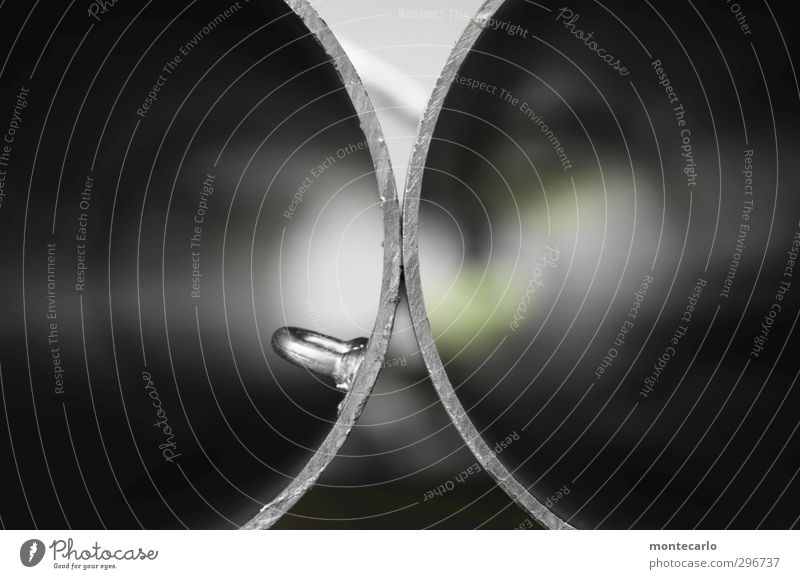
<point x="388" y="85"/>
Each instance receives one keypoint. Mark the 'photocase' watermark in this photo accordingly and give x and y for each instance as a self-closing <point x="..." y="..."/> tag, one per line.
<point x="548" y="260"/>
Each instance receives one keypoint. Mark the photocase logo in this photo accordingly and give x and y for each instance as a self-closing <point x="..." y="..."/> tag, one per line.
<point x="32" y="552"/>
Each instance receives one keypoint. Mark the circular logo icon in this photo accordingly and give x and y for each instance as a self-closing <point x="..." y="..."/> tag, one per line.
<point x="32" y="552"/>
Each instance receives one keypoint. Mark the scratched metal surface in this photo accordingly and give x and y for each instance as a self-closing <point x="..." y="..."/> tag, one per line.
<point x="358" y="394"/>
<point x="217" y="172"/>
<point x="589" y="161"/>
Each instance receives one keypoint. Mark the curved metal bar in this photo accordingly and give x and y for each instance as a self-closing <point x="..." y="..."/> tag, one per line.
<point x="416" y="302"/>
<point x="375" y="350"/>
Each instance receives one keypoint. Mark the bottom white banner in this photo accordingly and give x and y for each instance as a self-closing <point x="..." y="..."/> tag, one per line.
<point x="354" y="554"/>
